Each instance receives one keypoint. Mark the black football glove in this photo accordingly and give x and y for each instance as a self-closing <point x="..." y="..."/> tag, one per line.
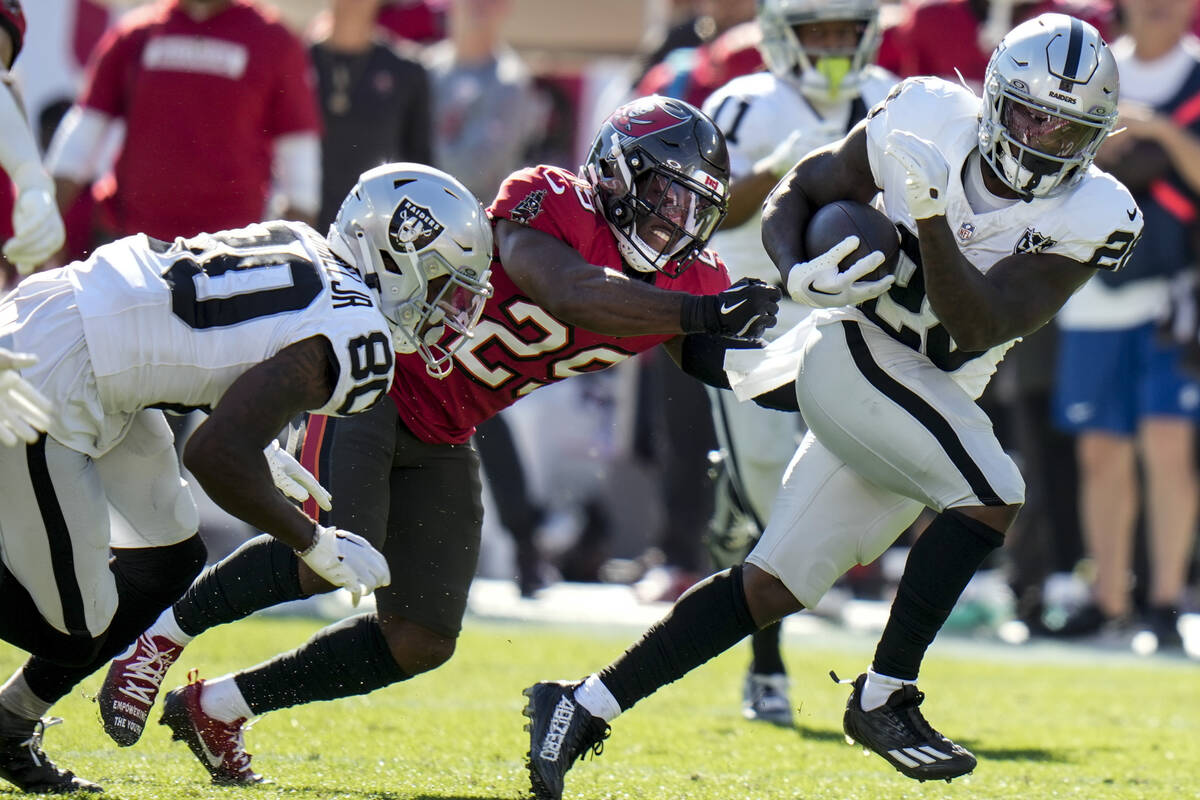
<point x="743" y="311"/>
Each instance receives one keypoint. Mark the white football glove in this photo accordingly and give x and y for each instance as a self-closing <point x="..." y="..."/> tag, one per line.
<point x="926" y="173"/>
<point x="24" y="411"/>
<point x="293" y="479"/>
<point x="37" y="227"/>
<point x="819" y="284"/>
<point x="347" y="560"/>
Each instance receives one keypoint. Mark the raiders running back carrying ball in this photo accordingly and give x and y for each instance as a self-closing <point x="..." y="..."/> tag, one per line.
<point x="1005" y="218"/>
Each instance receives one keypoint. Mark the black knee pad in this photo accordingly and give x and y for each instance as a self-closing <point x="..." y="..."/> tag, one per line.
<point x="158" y="575"/>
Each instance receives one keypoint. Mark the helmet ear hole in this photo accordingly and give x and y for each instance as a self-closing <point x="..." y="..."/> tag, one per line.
<point x="389" y="263"/>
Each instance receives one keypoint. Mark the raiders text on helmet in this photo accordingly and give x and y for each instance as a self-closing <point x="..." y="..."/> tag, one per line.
<point x="1049" y="100"/>
<point x="424" y="245"/>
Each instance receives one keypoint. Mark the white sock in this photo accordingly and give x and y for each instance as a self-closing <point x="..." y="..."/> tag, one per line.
<point x="167" y="627"/>
<point x="593" y="695"/>
<point x="878" y="688"/>
<point x="221" y="699"/>
<point x="17" y="698"/>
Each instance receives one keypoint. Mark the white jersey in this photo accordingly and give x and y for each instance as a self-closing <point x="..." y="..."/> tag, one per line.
<point x="1094" y="222"/>
<point x="756" y="113"/>
<point x="145" y="323"/>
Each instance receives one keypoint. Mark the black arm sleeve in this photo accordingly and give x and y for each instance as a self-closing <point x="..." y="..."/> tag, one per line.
<point x="703" y="357"/>
<point x="782" y="398"/>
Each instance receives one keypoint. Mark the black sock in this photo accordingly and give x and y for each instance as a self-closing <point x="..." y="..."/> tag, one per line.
<point x="705" y="622"/>
<point x="148" y="580"/>
<point x="263" y="572"/>
<point x="939" y="567"/>
<point x="343" y="660"/>
<point x="768" y="659"/>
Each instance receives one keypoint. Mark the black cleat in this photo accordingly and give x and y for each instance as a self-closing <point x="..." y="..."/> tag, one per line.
<point x="900" y="734"/>
<point x="23" y="764"/>
<point x="560" y="731"/>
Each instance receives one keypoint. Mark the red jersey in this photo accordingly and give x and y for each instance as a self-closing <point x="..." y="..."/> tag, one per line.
<point x="203" y="102"/>
<point x="692" y="74"/>
<point x="937" y="36"/>
<point x="519" y="346"/>
<point x="12" y="19"/>
<point x="419" y="21"/>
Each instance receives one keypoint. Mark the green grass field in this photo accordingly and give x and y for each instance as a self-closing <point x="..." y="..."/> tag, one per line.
<point x="1075" y="727"/>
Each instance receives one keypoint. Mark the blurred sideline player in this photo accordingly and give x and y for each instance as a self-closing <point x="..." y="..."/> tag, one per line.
<point x="159" y="73"/>
<point x="820" y="84"/>
<point x="592" y="269"/>
<point x="1002" y="216"/>
<point x="254" y="325"/>
<point x="37" y="227"/>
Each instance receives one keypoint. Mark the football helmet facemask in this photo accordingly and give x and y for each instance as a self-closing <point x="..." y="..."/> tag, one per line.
<point x="423" y="244"/>
<point x="1049" y="100"/>
<point x="823" y="72"/>
<point x="660" y="171"/>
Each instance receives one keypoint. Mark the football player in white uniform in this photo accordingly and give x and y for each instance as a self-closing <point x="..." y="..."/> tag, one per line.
<point x="1003" y="216"/>
<point x="255" y="326"/>
<point x="820" y="83"/>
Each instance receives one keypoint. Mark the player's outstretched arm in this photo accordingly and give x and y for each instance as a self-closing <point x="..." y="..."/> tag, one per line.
<point x="37" y="227"/>
<point x="225" y="452"/>
<point x="838" y="171"/>
<point x="555" y="276"/>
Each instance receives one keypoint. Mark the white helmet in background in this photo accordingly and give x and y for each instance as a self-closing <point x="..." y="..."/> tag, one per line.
<point x="822" y="75"/>
<point x="423" y="244"/>
<point x="1049" y="100"/>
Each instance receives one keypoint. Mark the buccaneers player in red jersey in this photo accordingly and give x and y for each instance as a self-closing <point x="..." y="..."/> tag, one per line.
<point x="590" y="270"/>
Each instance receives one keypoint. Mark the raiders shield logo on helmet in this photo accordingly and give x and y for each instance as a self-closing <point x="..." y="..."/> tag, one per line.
<point x="413" y="224"/>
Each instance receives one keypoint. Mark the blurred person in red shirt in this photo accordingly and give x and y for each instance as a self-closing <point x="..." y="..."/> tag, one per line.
<point x="217" y="101"/>
<point x="937" y="37"/>
<point x="728" y="48"/>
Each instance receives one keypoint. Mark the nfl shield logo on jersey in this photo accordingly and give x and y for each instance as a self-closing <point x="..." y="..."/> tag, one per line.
<point x="413" y="224"/>
<point x="965" y="232"/>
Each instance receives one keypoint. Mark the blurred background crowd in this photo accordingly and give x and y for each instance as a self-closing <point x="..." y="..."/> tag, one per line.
<point x="608" y="478"/>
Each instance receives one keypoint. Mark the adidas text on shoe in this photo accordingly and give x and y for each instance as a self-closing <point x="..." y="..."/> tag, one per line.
<point x="218" y="746"/>
<point x="560" y="731"/>
<point x="25" y="765"/>
<point x="131" y="686"/>
<point x="899" y="733"/>
<point x="765" y="699"/>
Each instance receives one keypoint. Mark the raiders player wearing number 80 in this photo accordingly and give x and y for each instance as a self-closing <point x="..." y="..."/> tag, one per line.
<point x="1003" y="216"/>
<point x="256" y="326"/>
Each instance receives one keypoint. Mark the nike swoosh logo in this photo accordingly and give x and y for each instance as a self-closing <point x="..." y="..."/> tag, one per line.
<point x="726" y="307"/>
<point x="815" y="290"/>
<point x="1132" y="214"/>
<point x="212" y="757"/>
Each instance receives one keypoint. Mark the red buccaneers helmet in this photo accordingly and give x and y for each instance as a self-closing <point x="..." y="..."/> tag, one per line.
<point x="660" y="171"/>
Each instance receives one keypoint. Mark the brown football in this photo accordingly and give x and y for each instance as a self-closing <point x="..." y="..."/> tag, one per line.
<point x="836" y="221"/>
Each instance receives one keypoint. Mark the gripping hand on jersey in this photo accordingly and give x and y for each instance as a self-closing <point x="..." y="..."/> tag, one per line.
<point x="346" y="560"/>
<point x="818" y="283"/>
<point x="926" y="173"/>
<point x="294" y="480"/>
<point x="743" y="311"/>
<point x="24" y="411"/>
